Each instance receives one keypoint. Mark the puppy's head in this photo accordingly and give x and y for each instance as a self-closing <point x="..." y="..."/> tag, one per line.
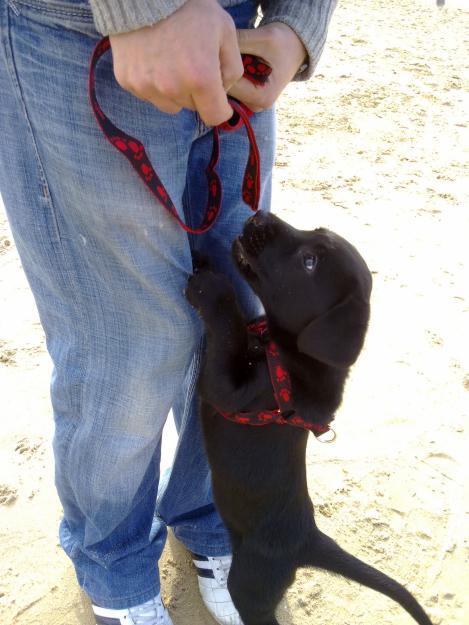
<point x="313" y="285"/>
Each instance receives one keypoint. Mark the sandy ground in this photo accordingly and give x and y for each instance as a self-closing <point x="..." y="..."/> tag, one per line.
<point x="376" y="148"/>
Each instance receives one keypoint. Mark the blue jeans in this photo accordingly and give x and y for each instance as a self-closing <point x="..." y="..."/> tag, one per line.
<point x="108" y="267"/>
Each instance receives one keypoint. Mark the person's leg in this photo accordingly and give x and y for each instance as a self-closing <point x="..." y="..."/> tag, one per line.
<point x="108" y="267"/>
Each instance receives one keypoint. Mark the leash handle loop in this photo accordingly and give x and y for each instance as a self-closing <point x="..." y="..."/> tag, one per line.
<point x="256" y="71"/>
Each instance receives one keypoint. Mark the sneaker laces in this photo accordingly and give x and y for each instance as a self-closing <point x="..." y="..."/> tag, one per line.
<point x="145" y="613"/>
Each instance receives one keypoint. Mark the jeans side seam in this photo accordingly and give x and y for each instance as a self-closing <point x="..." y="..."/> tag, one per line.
<point x="66" y="273"/>
<point x="10" y="61"/>
<point x="194" y="377"/>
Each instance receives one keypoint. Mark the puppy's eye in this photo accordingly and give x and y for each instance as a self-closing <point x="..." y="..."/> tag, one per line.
<point x="310" y="261"/>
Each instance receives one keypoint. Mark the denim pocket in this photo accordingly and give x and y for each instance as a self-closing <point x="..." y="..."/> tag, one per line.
<point x="71" y="14"/>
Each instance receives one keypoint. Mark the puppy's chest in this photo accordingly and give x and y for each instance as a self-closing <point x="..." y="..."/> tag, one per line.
<point x="264" y="391"/>
<point x="256" y="349"/>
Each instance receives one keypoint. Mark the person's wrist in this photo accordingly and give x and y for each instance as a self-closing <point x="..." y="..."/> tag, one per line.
<point x="279" y="32"/>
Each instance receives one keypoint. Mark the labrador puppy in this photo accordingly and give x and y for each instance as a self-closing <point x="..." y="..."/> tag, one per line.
<point x="315" y="288"/>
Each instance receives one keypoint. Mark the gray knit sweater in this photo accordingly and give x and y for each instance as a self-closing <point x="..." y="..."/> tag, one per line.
<point x="308" y="18"/>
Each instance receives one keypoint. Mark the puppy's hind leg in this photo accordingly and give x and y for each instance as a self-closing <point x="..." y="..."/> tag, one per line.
<point x="257" y="585"/>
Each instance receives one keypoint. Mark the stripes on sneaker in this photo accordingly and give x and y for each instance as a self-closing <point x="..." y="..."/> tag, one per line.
<point x="202" y="565"/>
<point x="105" y="616"/>
<point x="105" y="620"/>
<point x="208" y="573"/>
<point x="212" y="576"/>
<point x="152" y="612"/>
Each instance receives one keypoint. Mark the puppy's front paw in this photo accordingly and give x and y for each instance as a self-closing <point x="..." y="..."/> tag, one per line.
<point x="207" y="291"/>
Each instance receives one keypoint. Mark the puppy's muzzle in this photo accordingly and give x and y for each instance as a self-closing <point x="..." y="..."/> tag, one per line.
<point x="257" y="232"/>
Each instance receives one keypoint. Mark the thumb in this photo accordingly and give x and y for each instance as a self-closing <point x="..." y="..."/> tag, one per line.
<point x="246" y="92"/>
<point x="250" y="41"/>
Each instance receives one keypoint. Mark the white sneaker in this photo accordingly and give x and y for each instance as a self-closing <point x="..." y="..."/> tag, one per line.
<point x="152" y="612"/>
<point x="212" y="575"/>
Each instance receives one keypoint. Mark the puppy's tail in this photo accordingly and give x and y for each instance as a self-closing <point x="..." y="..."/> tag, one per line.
<point x="326" y="554"/>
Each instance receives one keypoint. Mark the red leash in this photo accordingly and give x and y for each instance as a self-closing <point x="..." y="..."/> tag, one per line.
<point x="257" y="72"/>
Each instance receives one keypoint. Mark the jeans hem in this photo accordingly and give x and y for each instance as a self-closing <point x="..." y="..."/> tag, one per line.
<point x="129" y="601"/>
<point x="194" y="542"/>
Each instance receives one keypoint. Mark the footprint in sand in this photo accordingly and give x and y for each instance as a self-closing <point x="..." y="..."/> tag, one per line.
<point x="28" y="448"/>
<point x="5" y="244"/>
<point x="7" y="356"/>
<point x="8" y="495"/>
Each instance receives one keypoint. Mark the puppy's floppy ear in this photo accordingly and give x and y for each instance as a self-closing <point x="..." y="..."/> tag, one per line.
<point x="336" y="337"/>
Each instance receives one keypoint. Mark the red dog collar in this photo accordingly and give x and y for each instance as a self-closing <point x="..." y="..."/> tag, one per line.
<point x="257" y="72"/>
<point x="285" y="413"/>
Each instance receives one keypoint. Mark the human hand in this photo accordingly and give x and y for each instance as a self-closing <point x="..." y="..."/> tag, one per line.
<point x="282" y="49"/>
<point x="188" y="60"/>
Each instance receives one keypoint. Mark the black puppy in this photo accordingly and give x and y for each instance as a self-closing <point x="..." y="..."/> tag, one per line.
<point x="315" y="289"/>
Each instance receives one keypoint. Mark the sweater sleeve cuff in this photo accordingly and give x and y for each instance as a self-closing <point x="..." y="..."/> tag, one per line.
<point x="310" y="21"/>
<point x="118" y="16"/>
